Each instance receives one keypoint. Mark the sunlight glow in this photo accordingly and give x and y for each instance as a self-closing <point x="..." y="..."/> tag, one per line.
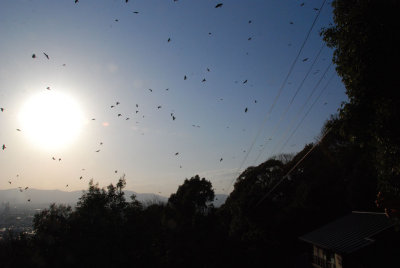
<point x="51" y="119"/>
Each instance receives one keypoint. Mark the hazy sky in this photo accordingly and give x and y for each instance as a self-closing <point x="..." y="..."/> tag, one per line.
<point x="101" y="52"/>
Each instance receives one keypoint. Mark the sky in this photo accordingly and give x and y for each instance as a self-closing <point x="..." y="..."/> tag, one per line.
<point x="245" y="97"/>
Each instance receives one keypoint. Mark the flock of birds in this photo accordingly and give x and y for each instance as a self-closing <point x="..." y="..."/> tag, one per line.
<point x="137" y="110"/>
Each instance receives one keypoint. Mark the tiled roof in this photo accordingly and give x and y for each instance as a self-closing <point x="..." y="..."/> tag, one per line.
<point x="349" y="233"/>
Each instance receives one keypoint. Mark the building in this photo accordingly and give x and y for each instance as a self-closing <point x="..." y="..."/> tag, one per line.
<point x="360" y="239"/>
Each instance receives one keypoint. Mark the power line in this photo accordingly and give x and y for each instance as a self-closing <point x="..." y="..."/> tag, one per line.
<point x="291" y="101"/>
<point x="290" y="171"/>
<point x="279" y="93"/>
<point x="299" y="112"/>
<point x="308" y="111"/>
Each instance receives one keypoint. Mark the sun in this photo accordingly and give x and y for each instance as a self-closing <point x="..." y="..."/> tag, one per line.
<point x="51" y="119"/>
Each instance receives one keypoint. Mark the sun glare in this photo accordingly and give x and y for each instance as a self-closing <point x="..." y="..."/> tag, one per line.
<point x="51" y="119"/>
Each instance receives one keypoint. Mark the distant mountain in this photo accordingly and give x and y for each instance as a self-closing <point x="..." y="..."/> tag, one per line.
<point x="46" y="197"/>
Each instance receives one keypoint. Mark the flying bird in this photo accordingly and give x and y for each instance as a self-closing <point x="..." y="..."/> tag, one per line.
<point x="305" y="59"/>
<point x="33" y="56"/>
<point x="93" y="119"/>
<point x="26" y="188"/>
<point x="245" y="81"/>
<point x="203" y="80"/>
<point x="159" y="107"/>
<point x="150" y="90"/>
<point x="48" y="88"/>
<point x="101" y="143"/>
<point x="29" y="200"/>
<point x="218" y="5"/>
<point x="117" y="103"/>
<point x="80" y="177"/>
<point x="47" y="56"/>
<point x="245" y="110"/>
<point x="316" y="9"/>
<point x="249" y="21"/>
<point x="116" y="20"/>
<point x="136" y="12"/>
<point x="127" y="118"/>
<point x="302" y="4"/>
<point x="112" y="106"/>
<point x="208" y="69"/>
<point x="249" y="38"/>
<point x="97" y="151"/>
<point x="137" y="105"/>
<point x="66" y="185"/>
<point x="255" y="101"/>
<point x="116" y="171"/>
<point x="2" y="109"/>
<point x="59" y="159"/>
<point x="177" y="153"/>
<point x="169" y="39"/>
<point x="119" y="115"/>
<point x="18" y="129"/>
<point x="3" y="147"/>
<point x="184" y="78"/>
<point x="221" y="159"/>
<point x="53" y="158"/>
<point x="9" y="182"/>
<point x="76" y="1"/>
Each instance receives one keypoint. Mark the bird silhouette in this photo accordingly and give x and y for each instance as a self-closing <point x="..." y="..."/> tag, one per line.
<point x="137" y="105"/>
<point x="150" y="90"/>
<point x="177" y="153"/>
<point x="159" y="107"/>
<point x="80" y="177"/>
<point x="2" y="109"/>
<point x="33" y="56"/>
<point x="255" y="101"/>
<point x="218" y="5"/>
<point x="208" y="69"/>
<point x="169" y="39"/>
<point x="26" y="188"/>
<point x="101" y="143"/>
<point x="116" y="171"/>
<point x="305" y="59"/>
<point x="117" y="103"/>
<point x="136" y="12"/>
<point x="4" y="147"/>
<point x="245" y="110"/>
<point x="184" y="78"/>
<point x="59" y="159"/>
<point x="249" y="38"/>
<point x="9" y="182"/>
<point x="127" y="118"/>
<point x="29" y="200"/>
<point x="47" y="56"/>
<point x="116" y="20"/>
<point x="119" y="115"/>
<point x="48" y="88"/>
<point x="53" y="158"/>
<point x="203" y="80"/>
<point x="93" y="119"/>
<point x="97" y="151"/>
<point x="291" y="22"/>
<point x="221" y="159"/>
<point x="302" y="4"/>
<point x="249" y="21"/>
<point x="245" y="81"/>
<point x="316" y="9"/>
<point x="112" y="106"/>
<point x="18" y="129"/>
<point x="66" y="185"/>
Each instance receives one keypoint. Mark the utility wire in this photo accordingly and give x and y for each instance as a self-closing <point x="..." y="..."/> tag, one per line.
<point x="300" y="111"/>
<point x="308" y="111"/>
<point x="261" y="128"/>
<point x="291" y="102"/>
<point x="291" y="170"/>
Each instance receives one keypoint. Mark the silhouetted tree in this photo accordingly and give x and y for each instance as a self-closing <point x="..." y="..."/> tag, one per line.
<point x="365" y="38"/>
